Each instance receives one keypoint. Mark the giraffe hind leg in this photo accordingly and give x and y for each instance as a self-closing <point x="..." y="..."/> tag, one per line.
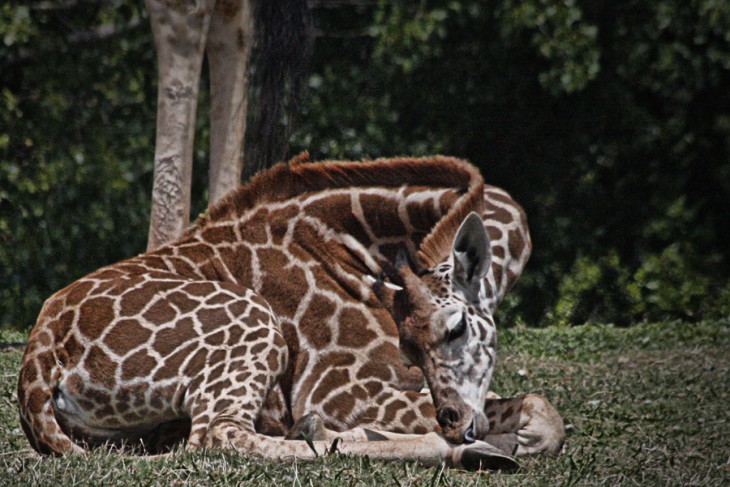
<point x="525" y="425"/>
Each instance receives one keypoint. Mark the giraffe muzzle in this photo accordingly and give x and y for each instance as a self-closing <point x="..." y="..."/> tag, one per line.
<point x="458" y="426"/>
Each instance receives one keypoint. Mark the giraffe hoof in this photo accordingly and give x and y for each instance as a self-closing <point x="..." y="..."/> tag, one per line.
<point x="309" y="426"/>
<point x="485" y="457"/>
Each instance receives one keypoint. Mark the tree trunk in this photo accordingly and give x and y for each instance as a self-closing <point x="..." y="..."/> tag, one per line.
<point x="180" y="37"/>
<point x="229" y="45"/>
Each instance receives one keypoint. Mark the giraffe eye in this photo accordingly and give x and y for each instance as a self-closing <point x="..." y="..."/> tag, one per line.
<point x="458" y="330"/>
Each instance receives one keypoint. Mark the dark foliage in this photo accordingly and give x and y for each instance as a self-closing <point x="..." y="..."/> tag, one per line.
<point x="608" y="121"/>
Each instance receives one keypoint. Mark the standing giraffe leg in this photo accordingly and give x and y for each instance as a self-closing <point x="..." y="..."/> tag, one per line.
<point x="229" y="45"/>
<point x="180" y="30"/>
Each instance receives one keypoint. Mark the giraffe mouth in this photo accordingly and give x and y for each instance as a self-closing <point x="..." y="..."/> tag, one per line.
<point x="459" y="430"/>
<point x="469" y="433"/>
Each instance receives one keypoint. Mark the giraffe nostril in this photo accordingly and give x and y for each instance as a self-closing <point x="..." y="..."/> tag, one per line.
<point x="448" y="416"/>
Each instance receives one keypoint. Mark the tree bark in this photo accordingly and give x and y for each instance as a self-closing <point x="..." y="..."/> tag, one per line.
<point x="180" y="37"/>
<point x="229" y="47"/>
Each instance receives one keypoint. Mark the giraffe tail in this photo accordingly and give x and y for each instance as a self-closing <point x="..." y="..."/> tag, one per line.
<point x="37" y="385"/>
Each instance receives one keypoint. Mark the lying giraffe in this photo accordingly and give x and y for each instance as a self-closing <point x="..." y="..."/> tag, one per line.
<point x="295" y="300"/>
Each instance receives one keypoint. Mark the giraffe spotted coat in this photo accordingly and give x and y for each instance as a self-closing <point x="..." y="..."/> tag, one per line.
<point x="278" y="305"/>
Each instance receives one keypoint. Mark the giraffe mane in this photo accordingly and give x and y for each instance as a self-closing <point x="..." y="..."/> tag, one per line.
<point x="299" y="176"/>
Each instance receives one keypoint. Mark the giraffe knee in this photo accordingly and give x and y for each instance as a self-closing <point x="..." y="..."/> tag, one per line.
<point x="544" y="431"/>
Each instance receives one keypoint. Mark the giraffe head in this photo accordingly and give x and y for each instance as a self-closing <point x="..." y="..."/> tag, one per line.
<point x="446" y="328"/>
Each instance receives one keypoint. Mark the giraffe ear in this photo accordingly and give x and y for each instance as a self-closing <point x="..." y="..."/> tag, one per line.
<point x="472" y="256"/>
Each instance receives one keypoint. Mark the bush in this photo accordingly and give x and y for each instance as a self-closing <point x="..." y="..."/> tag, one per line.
<point x="597" y="291"/>
<point x="666" y="285"/>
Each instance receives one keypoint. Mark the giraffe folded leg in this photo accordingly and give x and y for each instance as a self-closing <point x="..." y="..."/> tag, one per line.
<point x="524" y="425"/>
<point x="475" y="456"/>
<point x="230" y="395"/>
<point x="230" y="430"/>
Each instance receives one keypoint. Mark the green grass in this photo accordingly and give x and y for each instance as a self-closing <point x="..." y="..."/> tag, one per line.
<point x="646" y="405"/>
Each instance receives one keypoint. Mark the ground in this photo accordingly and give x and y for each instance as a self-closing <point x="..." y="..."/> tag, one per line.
<point x="646" y="405"/>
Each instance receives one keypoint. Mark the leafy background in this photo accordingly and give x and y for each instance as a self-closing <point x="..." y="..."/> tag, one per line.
<point x="608" y="121"/>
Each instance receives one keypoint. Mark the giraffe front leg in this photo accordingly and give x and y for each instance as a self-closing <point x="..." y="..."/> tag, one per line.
<point x="525" y="425"/>
<point x="231" y="431"/>
<point x="403" y="418"/>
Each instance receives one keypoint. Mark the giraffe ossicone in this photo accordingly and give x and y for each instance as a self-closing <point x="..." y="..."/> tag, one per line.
<point x="288" y="300"/>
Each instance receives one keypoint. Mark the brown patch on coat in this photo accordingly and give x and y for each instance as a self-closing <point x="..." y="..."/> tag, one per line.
<point x="373" y="369"/>
<point x="423" y="215"/>
<point x="126" y="335"/>
<point x="94" y="316"/>
<point x="333" y="379"/>
<point x="36" y="399"/>
<point x="340" y="406"/>
<point x="218" y="234"/>
<point x="77" y="292"/>
<point x="353" y="329"/>
<point x="373" y="387"/>
<point x="281" y="290"/>
<point x="139" y="364"/>
<point x="160" y="313"/>
<point x="182" y="302"/>
<point x="279" y="222"/>
<point x="336" y="210"/>
<point x="200" y="289"/>
<point x="73" y="350"/>
<point x="273" y="259"/>
<point x="255" y="229"/>
<point x="516" y="243"/>
<point x="173" y="362"/>
<point x="196" y="363"/>
<point x="220" y="298"/>
<point x="182" y="267"/>
<point x="238" y="262"/>
<point x="392" y="409"/>
<point x="74" y="385"/>
<point x="60" y="327"/>
<point x="101" y="368"/>
<point x="314" y="325"/>
<point x="169" y="339"/>
<point x="382" y="216"/>
<point x="135" y="300"/>
<point x="212" y="319"/>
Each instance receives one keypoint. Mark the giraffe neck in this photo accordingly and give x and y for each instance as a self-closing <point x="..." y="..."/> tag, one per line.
<point x="379" y="207"/>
